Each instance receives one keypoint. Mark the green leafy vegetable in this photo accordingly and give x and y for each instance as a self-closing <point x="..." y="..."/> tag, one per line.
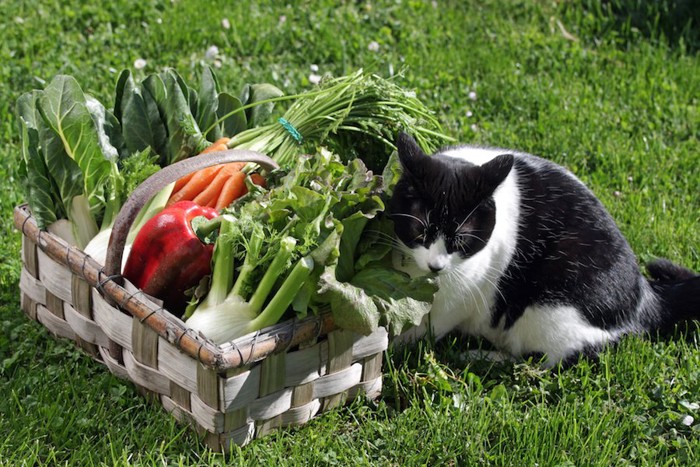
<point x="72" y="146"/>
<point x="313" y="218"/>
<point x="356" y="116"/>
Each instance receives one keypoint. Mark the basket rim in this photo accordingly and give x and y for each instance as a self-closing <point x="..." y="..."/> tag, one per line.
<point x="233" y="354"/>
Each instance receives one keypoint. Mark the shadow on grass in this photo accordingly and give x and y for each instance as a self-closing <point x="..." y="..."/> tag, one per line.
<point x="674" y="22"/>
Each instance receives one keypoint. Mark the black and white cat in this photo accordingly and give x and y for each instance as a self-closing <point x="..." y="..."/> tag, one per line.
<point x="526" y="256"/>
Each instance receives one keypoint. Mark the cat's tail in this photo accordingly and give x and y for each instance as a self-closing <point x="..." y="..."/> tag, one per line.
<point x="678" y="290"/>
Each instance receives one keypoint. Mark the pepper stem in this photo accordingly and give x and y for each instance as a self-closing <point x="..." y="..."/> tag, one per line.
<point x="204" y="229"/>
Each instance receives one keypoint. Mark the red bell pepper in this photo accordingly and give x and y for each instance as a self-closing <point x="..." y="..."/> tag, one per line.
<point x="167" y="257"/>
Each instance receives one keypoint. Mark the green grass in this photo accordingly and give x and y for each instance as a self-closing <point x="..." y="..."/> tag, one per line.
<point x="613" y="93"/>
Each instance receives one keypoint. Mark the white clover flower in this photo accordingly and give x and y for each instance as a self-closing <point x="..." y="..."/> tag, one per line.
<point x="314" y="68"/>
<point x="283" y="19"/>
<point x="688" y="420"/>
<point x="314" y="78"/>
<point x="225" y="23"/>
<point x="212" y="52"/>
<point x="474" y="127"/>
<point x="469" y="114"/>
<point x="140" y="63"/>
<point x="373" y="46"/>
<point x="472" y="95"/>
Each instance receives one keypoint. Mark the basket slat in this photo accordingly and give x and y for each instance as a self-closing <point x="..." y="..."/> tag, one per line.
<point x="29" y="256"/>
<point x="53" y="323"/>
<point x="55" y="277"/>
<point x="336" y="383"/>
<point x="177" y="366"/>
<point x="303" y="366"/>
<point x="210" y="419"/>
<point x="112" y="364"/>
<point x="32" y="287"/>
<point x="86" y="328"/>
<point x="115" y="324"/>
<point x="240" y="390"/>
<point x="271" y="405"/>
<point x="145" y="376"/>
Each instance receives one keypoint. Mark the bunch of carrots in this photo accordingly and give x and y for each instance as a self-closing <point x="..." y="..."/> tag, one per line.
<point x="216" y="186"/>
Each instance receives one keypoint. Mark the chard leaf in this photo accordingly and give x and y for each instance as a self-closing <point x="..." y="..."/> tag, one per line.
<point x="112" y="145"/>
<point x="33" y="168"/>
<point x="63" y="107"/>
<point x="353" y="226"/>
<point x="107" y="128"/>
<point x="233" y="120"/>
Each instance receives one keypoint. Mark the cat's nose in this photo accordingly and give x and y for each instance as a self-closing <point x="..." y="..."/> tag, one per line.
<point x="436" y="267"/>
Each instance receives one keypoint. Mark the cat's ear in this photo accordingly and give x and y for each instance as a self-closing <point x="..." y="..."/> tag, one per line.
<point x="496" y="170"/>
<point x="411" y="156"/>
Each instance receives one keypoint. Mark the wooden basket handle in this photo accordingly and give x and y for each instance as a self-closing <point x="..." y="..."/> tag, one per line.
<point x="159" y="180"/>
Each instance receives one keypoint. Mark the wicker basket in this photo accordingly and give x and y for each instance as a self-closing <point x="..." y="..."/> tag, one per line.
<point x="232" y="393"/>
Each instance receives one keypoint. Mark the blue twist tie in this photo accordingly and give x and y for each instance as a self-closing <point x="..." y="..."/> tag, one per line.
<point x="292" y="131"/>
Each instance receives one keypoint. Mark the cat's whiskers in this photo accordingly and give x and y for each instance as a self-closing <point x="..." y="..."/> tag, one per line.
<point x="411" y="216"/>
<point x="460" y="240"/>
<point x="471" y="287"/>
<point x="468" y="216"/>
<point x="465" y="282"/>
<point x="384" y="238"/>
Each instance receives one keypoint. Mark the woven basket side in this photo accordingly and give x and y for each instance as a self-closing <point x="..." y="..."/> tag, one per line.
<point x="49" y="292"/>
<point x="292" y="387"/>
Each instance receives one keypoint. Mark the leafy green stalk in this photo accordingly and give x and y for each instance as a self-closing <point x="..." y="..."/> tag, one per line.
<point x="279" y="263"/>
<point x="222" y="274"/>
<point x="285" y="294"/>
<point x="339" y="113"/>
<point x="235" y="306"/>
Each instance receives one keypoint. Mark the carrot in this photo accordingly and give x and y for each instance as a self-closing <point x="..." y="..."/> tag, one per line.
<point x="212" y="191"/>
<point x="218" y="145"/>
<point x="182" y="182"/>
<point x="233" y="189"/>
<point x="195" y="185"/>
<point x="257" y="179"/>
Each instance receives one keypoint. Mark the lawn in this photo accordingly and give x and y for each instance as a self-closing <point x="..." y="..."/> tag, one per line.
<point x="612" y="92"/>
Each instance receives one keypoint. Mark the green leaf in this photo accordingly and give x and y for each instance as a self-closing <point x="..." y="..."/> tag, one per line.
<point x="33" y="169"/>
<point x="233" y="120"/>
<point x="402" y="300"/>
<point x="255" y="94"/>
<point x="73" y="148"/>
<point x="208" y="104"/>
<point x="142" y="125"/>
<point x="376" y="243"/>
<point x="353" y="226"/>
<point x="351" y="307"/>
<point x="184" y="136"/>
<point x="124" y="86"/>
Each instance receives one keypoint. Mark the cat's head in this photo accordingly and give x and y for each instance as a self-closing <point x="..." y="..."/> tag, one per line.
<point x="443" y="207"/>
